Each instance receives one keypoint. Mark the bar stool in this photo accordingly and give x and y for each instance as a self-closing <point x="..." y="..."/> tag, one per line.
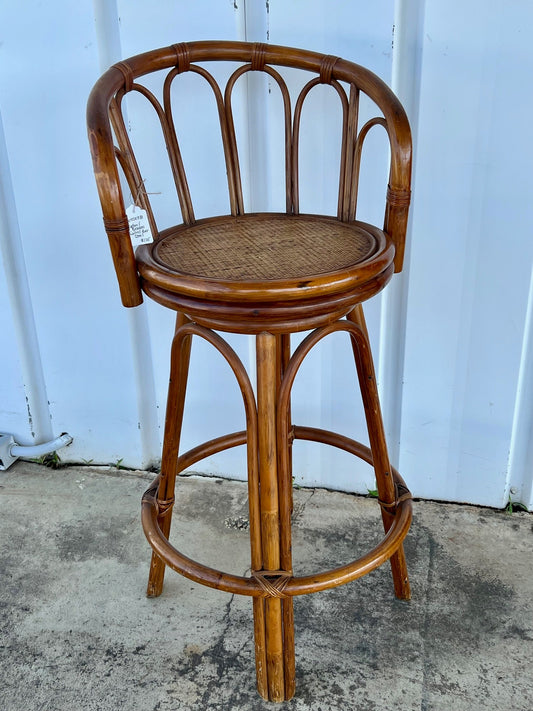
<point x="268" y="275"/>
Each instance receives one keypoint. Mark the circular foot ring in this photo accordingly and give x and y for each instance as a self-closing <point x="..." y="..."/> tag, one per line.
<point x="255" y="586"/>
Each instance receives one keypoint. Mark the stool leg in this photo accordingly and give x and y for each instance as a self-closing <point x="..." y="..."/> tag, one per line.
<point x="285" y="492"/>
<point x="273" y="613"/>
<point x="179" y="367"/>
<point x="283" y="358"/>
<point x="378" y="444"/>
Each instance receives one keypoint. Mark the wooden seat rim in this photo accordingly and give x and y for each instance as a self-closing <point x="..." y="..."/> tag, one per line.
<point x="277" y="317"/>
<point x="340" y="281"/>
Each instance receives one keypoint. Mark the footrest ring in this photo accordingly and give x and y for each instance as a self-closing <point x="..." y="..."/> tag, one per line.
<point x="278" y="583"/>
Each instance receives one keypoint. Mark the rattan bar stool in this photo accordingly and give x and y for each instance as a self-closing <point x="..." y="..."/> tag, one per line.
<point x="267" y="275"/>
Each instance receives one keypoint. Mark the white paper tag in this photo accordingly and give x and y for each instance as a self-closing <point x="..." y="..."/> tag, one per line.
<point x="140" y="231"/>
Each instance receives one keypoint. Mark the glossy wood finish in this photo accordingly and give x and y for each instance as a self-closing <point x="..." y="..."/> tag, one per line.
<point x="179" y="368"/>
<point x="279" y="642"/>
<point x="261" y="274"/>
<point x="104" y="109"/>
<point x="387" y="487"/>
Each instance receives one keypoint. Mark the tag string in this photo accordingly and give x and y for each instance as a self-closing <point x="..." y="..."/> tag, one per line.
<point x="141" y="191"/>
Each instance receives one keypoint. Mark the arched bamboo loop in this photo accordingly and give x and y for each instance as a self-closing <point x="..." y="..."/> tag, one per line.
<point x="296" y="132"/>
<point x="232" y="139"/>
<point x="356" y="155"/>
<point x="192" y="329"/>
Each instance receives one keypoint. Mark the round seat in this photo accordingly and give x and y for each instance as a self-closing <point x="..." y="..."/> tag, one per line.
<point x="266" y="269"/>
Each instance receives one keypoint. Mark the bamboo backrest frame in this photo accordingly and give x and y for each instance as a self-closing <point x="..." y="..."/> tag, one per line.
<point x="105" y="118"/>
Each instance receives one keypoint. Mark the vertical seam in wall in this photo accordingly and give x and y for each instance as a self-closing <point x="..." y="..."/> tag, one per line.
<point x="406" y="71"/>
<point x="520" y="465"/>
<point x="109" y="51"/>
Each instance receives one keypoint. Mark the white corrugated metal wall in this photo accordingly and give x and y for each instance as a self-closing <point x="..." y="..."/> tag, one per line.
<point x="458" y="407"/>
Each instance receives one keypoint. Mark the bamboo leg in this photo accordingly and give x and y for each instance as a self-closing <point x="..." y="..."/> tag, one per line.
<point x="378" y="445"/>
<point x="272" y="611"/>
<point x="285" y="439"/>
<point x="283" y="358"/>
<point x="179" y="366"/>
<point x="260" y="647"/>
<point x="289" y="662"/>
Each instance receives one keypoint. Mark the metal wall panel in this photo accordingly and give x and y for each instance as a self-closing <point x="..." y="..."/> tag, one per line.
<point x="471" y="252"/>
<point x="463" y="400"/>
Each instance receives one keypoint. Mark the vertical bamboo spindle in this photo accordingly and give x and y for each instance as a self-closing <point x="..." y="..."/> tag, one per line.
<point x="279" y="643"/>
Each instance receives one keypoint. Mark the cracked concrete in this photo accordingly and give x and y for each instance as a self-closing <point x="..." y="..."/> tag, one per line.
<point x="78" y="632"/>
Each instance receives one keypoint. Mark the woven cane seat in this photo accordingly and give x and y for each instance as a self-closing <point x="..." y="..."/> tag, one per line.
<point x="265" y="257"/>
<point x="265" y="247"/>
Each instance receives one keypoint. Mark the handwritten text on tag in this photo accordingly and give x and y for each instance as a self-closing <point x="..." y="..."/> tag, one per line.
<point x="140" y="231"/>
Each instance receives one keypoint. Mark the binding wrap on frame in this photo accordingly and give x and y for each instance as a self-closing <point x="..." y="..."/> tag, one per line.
<point x="164" y="506"/>
<point x="401" y="494"/>
<point x="119" y="225"/>
<point x="326" y="68"/>
<point x="273" y="582"/>
<point x="258" y="57"/>
<point x="127" y="73"/>
<point x="397" y="197"/>
<point x="183" y="60"/>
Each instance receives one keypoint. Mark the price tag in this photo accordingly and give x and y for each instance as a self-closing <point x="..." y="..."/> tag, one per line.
<point x="140" y="231"/>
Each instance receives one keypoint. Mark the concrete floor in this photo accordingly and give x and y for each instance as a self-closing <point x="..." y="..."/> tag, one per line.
<point x="77" y="631"/>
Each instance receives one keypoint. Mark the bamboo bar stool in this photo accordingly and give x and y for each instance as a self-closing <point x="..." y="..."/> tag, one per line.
<point x="268" y="275"/>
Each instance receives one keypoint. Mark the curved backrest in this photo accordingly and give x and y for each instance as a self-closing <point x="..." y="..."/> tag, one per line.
<point x="111" y="146"/>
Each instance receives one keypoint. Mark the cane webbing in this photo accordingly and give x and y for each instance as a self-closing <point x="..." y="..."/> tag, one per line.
<point x="264" y="247"/>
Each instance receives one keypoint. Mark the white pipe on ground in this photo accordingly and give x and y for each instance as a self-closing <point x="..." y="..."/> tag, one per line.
<point x="39" y="450"/>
